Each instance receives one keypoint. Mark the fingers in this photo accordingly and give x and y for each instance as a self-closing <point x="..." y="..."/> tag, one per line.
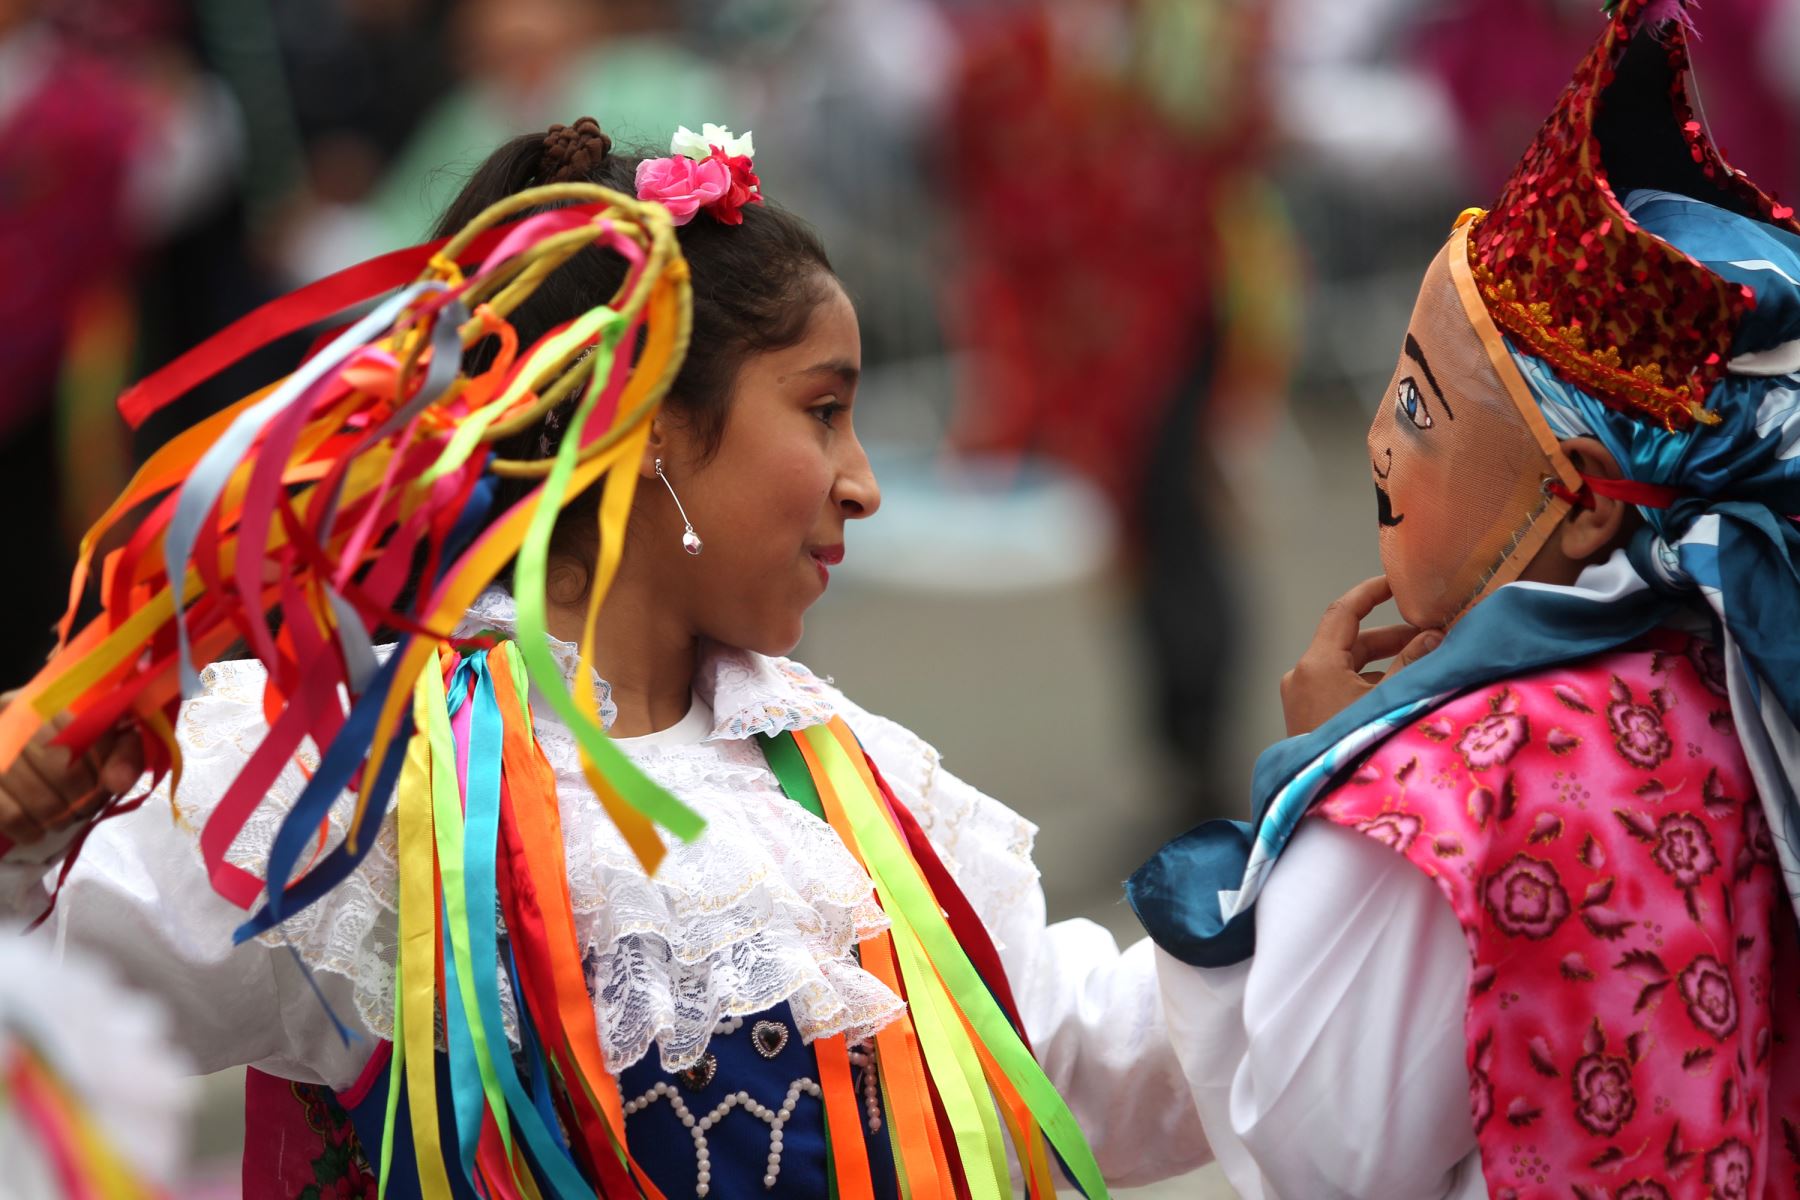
<point x="59" y="770"/>
<point x="1345" y="615"/>
<point x="18" y="819"/>
<point x="1416" y="649"/>
<point x="55" y="791"/>
<point x="19" y="823"/>
<point x="1384" y="641"/>
<point x="36" y="800"/>
<point x="47" y="787"/>
<point x="121" y="758"/>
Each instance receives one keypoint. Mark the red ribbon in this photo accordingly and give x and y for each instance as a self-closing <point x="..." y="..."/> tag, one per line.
<point x="295" y="311"/>
<point x="964" y="923"/>
<point x="1631" y="491"/>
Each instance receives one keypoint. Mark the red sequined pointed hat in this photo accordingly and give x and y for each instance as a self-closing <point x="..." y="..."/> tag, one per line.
<point x="1571" y="278"/>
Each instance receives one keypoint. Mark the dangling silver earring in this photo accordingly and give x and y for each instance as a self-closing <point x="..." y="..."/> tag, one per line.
<point x="690" y="541"/>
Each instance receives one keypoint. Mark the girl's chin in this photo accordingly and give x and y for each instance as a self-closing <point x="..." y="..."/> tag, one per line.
<point x="778" y="639"/>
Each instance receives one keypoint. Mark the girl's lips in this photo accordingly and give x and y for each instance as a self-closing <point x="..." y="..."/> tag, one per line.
<point x="824" y="558"/>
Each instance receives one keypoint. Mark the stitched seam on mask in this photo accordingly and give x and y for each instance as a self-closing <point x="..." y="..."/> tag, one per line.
<point x="1518" y="536"/>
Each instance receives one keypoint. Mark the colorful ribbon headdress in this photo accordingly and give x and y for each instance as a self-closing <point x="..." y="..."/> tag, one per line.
<point x="294" y="521"/>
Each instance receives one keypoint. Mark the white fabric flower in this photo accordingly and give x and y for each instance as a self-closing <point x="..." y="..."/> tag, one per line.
<point x="699" y="145"/>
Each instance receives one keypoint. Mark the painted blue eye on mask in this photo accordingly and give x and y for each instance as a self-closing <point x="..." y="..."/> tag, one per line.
<point x="1410" y="404"/>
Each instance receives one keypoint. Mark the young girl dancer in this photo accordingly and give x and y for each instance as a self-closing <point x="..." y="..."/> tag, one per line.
<point x="752" y="1017"/>
<point x="1586" y="469"/>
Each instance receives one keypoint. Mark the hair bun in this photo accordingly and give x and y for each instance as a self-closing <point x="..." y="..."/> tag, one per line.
<point x="572" y="152"/>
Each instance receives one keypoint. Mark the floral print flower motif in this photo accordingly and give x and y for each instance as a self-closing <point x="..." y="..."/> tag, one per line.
<point x="1526" y="898"/>
<point x="1481" y="1091"/>
<point x="1729" y="1168"/>
<point x="1604" y="1099"/>
<point x="1395" y="830"/>
<point x="1757" y="842"/>
<point x="1711" y="1000"/>
<point x="1642" y="1189"/>
<point x="340" y="1169"/>
<point x="1684" y="850"/>
<point x="1637" y="729"/>
<point x="1481" y="1098"/>
<point x="1493" y="740"/>
<point x="1708" y="663"/>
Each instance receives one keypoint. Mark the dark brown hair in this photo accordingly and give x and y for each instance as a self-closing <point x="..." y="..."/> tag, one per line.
<point x="755" y="287"/>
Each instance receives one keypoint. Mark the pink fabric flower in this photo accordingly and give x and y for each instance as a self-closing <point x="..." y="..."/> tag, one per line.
<point x="1729" y="1169"/>
<point x="1481" y="1098"/>
<point x="1527" y="898"/>
<point x="1493" y="740"/>
<point x="1711" y="1000"/>
<point x="1709" y="664"/>
<point x="1637" y="729"/>
<point x="709" y="170"/>
<point x="1393" y="829"/>
<point x="1684" y="849"/>
<point x="1604" y="1099"/>
<point x="684" y="186"/>
<point x="1757" y="842"/>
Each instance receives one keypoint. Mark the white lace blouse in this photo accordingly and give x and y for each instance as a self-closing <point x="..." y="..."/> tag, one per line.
<point x="765" y="908"/>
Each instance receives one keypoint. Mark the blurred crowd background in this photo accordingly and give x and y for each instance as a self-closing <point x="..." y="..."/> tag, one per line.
<point x="1132" y="275"/>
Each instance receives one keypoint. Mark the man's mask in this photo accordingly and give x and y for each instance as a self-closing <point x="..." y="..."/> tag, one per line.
<point x="1460" y="455"/>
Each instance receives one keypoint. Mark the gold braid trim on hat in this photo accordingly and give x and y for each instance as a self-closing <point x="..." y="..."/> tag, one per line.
<point x="1599" y="371"/>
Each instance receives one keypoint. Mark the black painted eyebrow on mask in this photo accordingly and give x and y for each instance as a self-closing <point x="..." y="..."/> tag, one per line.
<point x="1417" y="354"/>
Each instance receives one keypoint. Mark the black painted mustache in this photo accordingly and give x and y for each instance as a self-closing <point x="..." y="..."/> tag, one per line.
<point x="1385" y="509"/>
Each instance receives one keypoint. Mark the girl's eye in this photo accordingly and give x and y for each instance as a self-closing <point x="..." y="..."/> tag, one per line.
<point x="826" y="414"/>
<point x="1409" y="404"/>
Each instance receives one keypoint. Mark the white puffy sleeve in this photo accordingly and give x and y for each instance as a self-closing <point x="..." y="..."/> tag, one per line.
<point x="138" y="897"/>
<point x="1093" y="1012"/>
<point x="1330" y="1065"/>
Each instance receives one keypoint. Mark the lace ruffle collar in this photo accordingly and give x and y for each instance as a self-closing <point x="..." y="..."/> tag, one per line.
<point x="749" y="693"/>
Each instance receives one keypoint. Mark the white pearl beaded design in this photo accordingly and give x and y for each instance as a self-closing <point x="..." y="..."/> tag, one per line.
<point x="871" y="1086"/>
<point x="700" y="1126"/>
<point x="728" y="1026"/>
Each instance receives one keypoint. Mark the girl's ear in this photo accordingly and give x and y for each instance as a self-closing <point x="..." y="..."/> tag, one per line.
<point x="657" y="446"/>
<point x="1589" y="532"/>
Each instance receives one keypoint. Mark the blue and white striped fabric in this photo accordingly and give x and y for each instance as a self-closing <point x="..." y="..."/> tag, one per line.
<point x="1728" y="553"/>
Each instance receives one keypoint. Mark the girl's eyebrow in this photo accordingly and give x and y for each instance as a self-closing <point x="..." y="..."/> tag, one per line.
<point x="845" y="371"/>
<point x="1417" y="354"/>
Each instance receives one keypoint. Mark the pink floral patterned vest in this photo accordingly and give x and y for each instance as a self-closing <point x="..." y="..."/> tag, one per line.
<point x="1634" y="997"/>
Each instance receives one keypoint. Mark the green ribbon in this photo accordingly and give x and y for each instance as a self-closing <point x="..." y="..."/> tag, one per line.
<point x="791" y="772"/>
<point x="466" y="1041"/>
<point x="907" y="899"/>
<point x="530" y="573"/>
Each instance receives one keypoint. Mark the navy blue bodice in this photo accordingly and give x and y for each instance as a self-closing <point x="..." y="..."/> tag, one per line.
<point x="753" y="1078"/>
<point x="754" y="1099"/>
